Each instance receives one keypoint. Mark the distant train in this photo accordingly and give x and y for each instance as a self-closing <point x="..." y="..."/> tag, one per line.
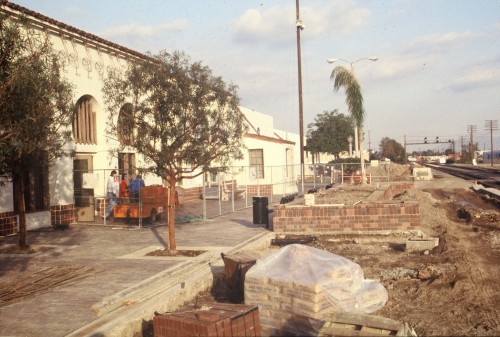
<point x="487" y="157"/>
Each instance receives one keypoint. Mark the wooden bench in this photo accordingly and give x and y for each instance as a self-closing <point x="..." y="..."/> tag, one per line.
<point x="230" y="188"/>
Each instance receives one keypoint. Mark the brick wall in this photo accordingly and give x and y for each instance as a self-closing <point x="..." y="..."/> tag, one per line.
<point x="193" y="193"/>
<point x="62" y="214"/>
<point x="8" y="223"/>
<point x="259" y="189"/>
<point x="382" y="215"/>
<point x="397" y="188"/>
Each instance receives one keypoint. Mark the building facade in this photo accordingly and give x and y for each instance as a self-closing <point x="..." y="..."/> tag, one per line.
<point x="74" y="188"/>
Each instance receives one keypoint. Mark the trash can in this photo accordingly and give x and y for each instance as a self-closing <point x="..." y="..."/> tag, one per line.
<point x="260" y="210"/>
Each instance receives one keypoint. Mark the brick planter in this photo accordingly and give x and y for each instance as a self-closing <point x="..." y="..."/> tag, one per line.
<point x="379" y="215"/>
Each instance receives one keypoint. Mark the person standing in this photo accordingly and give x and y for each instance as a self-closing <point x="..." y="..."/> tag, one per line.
<point x="112" y="191"/>
<point x="135" y="186"/>
<point x="123" y="187"/>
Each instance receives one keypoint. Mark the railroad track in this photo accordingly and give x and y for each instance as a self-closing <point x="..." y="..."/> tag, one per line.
<point x="489" y="178"/>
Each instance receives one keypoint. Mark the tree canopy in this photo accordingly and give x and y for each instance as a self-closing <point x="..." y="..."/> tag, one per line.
<point x="390" y="148"/>
<point x="35" y="107"/>
<point x="328" y="133"/>
<point x="183" y="119"/>
<point x="343" y="78"/>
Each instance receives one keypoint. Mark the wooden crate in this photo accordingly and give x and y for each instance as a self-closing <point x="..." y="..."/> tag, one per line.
<point x="220" y="319"/>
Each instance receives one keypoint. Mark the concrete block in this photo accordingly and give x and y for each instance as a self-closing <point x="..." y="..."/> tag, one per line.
<point x="422" y="243"/>
<point x="422" y="173"/>
<point x="309" y="199"/>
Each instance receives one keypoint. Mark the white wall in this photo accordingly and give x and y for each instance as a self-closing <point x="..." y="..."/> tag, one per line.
<point x="6" y="197"/>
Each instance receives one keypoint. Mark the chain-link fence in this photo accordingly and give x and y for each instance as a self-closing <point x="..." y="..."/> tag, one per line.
<point x="220" y="193"/>
<point x="105" y="194"/>
<point x="235" y="189"/>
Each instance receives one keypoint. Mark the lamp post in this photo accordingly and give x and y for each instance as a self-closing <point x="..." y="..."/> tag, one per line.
<point x="349" y="140"/>
<point x="352" y="63"/>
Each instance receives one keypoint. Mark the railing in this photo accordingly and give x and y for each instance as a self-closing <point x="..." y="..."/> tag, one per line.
<point x="221" y="193"/>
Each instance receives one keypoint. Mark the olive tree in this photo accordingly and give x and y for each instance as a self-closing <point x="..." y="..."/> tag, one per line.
<point x="390" y="148"/>
<point x="182" y="118"/>
<point x="35" y="108"/>
<point x="329" y="132"/>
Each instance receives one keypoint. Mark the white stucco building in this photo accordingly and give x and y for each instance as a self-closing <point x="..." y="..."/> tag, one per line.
<point x="75" y="185"/>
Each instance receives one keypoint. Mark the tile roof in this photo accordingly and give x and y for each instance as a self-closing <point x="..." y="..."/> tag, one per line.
<point x="51" y="24"/>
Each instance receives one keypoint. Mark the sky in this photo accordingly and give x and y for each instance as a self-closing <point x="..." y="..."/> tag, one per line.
<point x="437" y="72"/>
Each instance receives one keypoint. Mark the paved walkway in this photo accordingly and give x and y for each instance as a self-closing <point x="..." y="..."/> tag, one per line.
<point x="116" y="254"/>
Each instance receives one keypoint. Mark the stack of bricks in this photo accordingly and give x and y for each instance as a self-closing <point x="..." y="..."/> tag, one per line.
<point x="216" y="320"/>
<point x="280" y="302"/>
<point x="298" y="282"/>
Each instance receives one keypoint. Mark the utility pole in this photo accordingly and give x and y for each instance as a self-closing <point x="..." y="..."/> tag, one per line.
<point x="462" y="149"/>
<point x="491" y="125"/>
<point x="404" y="153"/>
<point x="471" y="129"/>
<point x="300" y="26"/>
<point x="369" y="142"/>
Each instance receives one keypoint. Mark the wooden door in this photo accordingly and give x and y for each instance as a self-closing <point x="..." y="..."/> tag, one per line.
<point x="83" y="190"/>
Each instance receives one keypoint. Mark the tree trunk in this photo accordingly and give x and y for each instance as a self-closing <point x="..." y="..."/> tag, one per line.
<point x="362" y="156"/>
<point x="20" y="210"/>
<point x="171" y="215"/>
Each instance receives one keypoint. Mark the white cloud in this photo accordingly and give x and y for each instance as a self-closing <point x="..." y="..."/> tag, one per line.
<point x="136" y="30"/>
<point x="272" y="24"/>
<point x="476" y="79"/>
<point x="439" y="42"/>
<point x="397" y="68"/>
<point x="439" y="88"/>
<point x="260" y="71"/>
<point x="277" y="24"/>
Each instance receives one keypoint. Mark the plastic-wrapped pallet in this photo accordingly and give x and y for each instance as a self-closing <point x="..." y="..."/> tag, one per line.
<point x="305" y="281"/>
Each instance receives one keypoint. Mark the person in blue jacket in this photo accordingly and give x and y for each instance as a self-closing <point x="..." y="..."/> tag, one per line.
<point x="135" y="187"/>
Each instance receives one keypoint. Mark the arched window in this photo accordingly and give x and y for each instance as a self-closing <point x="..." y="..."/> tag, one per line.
<point x="84" y="121"/>
<point x="126" y="125"/>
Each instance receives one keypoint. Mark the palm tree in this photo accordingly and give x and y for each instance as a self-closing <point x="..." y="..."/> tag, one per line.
<point x="342" y="77"/>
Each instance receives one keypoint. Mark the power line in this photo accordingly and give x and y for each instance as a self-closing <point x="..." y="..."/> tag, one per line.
<point x="491" y="125"/>
<point x="471" y="129"/>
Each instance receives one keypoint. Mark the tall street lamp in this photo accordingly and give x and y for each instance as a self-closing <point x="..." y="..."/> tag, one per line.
<point x="352" y="63"/>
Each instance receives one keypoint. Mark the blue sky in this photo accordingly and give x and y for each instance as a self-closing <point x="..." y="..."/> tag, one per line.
<point x="437" y="73"/>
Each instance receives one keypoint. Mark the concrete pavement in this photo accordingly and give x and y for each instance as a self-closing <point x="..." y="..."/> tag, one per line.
<point x="120" y="287"/>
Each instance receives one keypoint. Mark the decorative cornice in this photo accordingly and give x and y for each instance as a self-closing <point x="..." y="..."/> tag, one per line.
<point x="71" y="33"/>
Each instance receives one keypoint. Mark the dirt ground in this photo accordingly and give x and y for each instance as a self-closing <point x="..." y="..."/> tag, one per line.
<point x="451" y="290"/>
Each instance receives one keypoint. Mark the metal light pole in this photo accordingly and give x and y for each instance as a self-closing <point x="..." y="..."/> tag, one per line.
<point x="300" y="27"/>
